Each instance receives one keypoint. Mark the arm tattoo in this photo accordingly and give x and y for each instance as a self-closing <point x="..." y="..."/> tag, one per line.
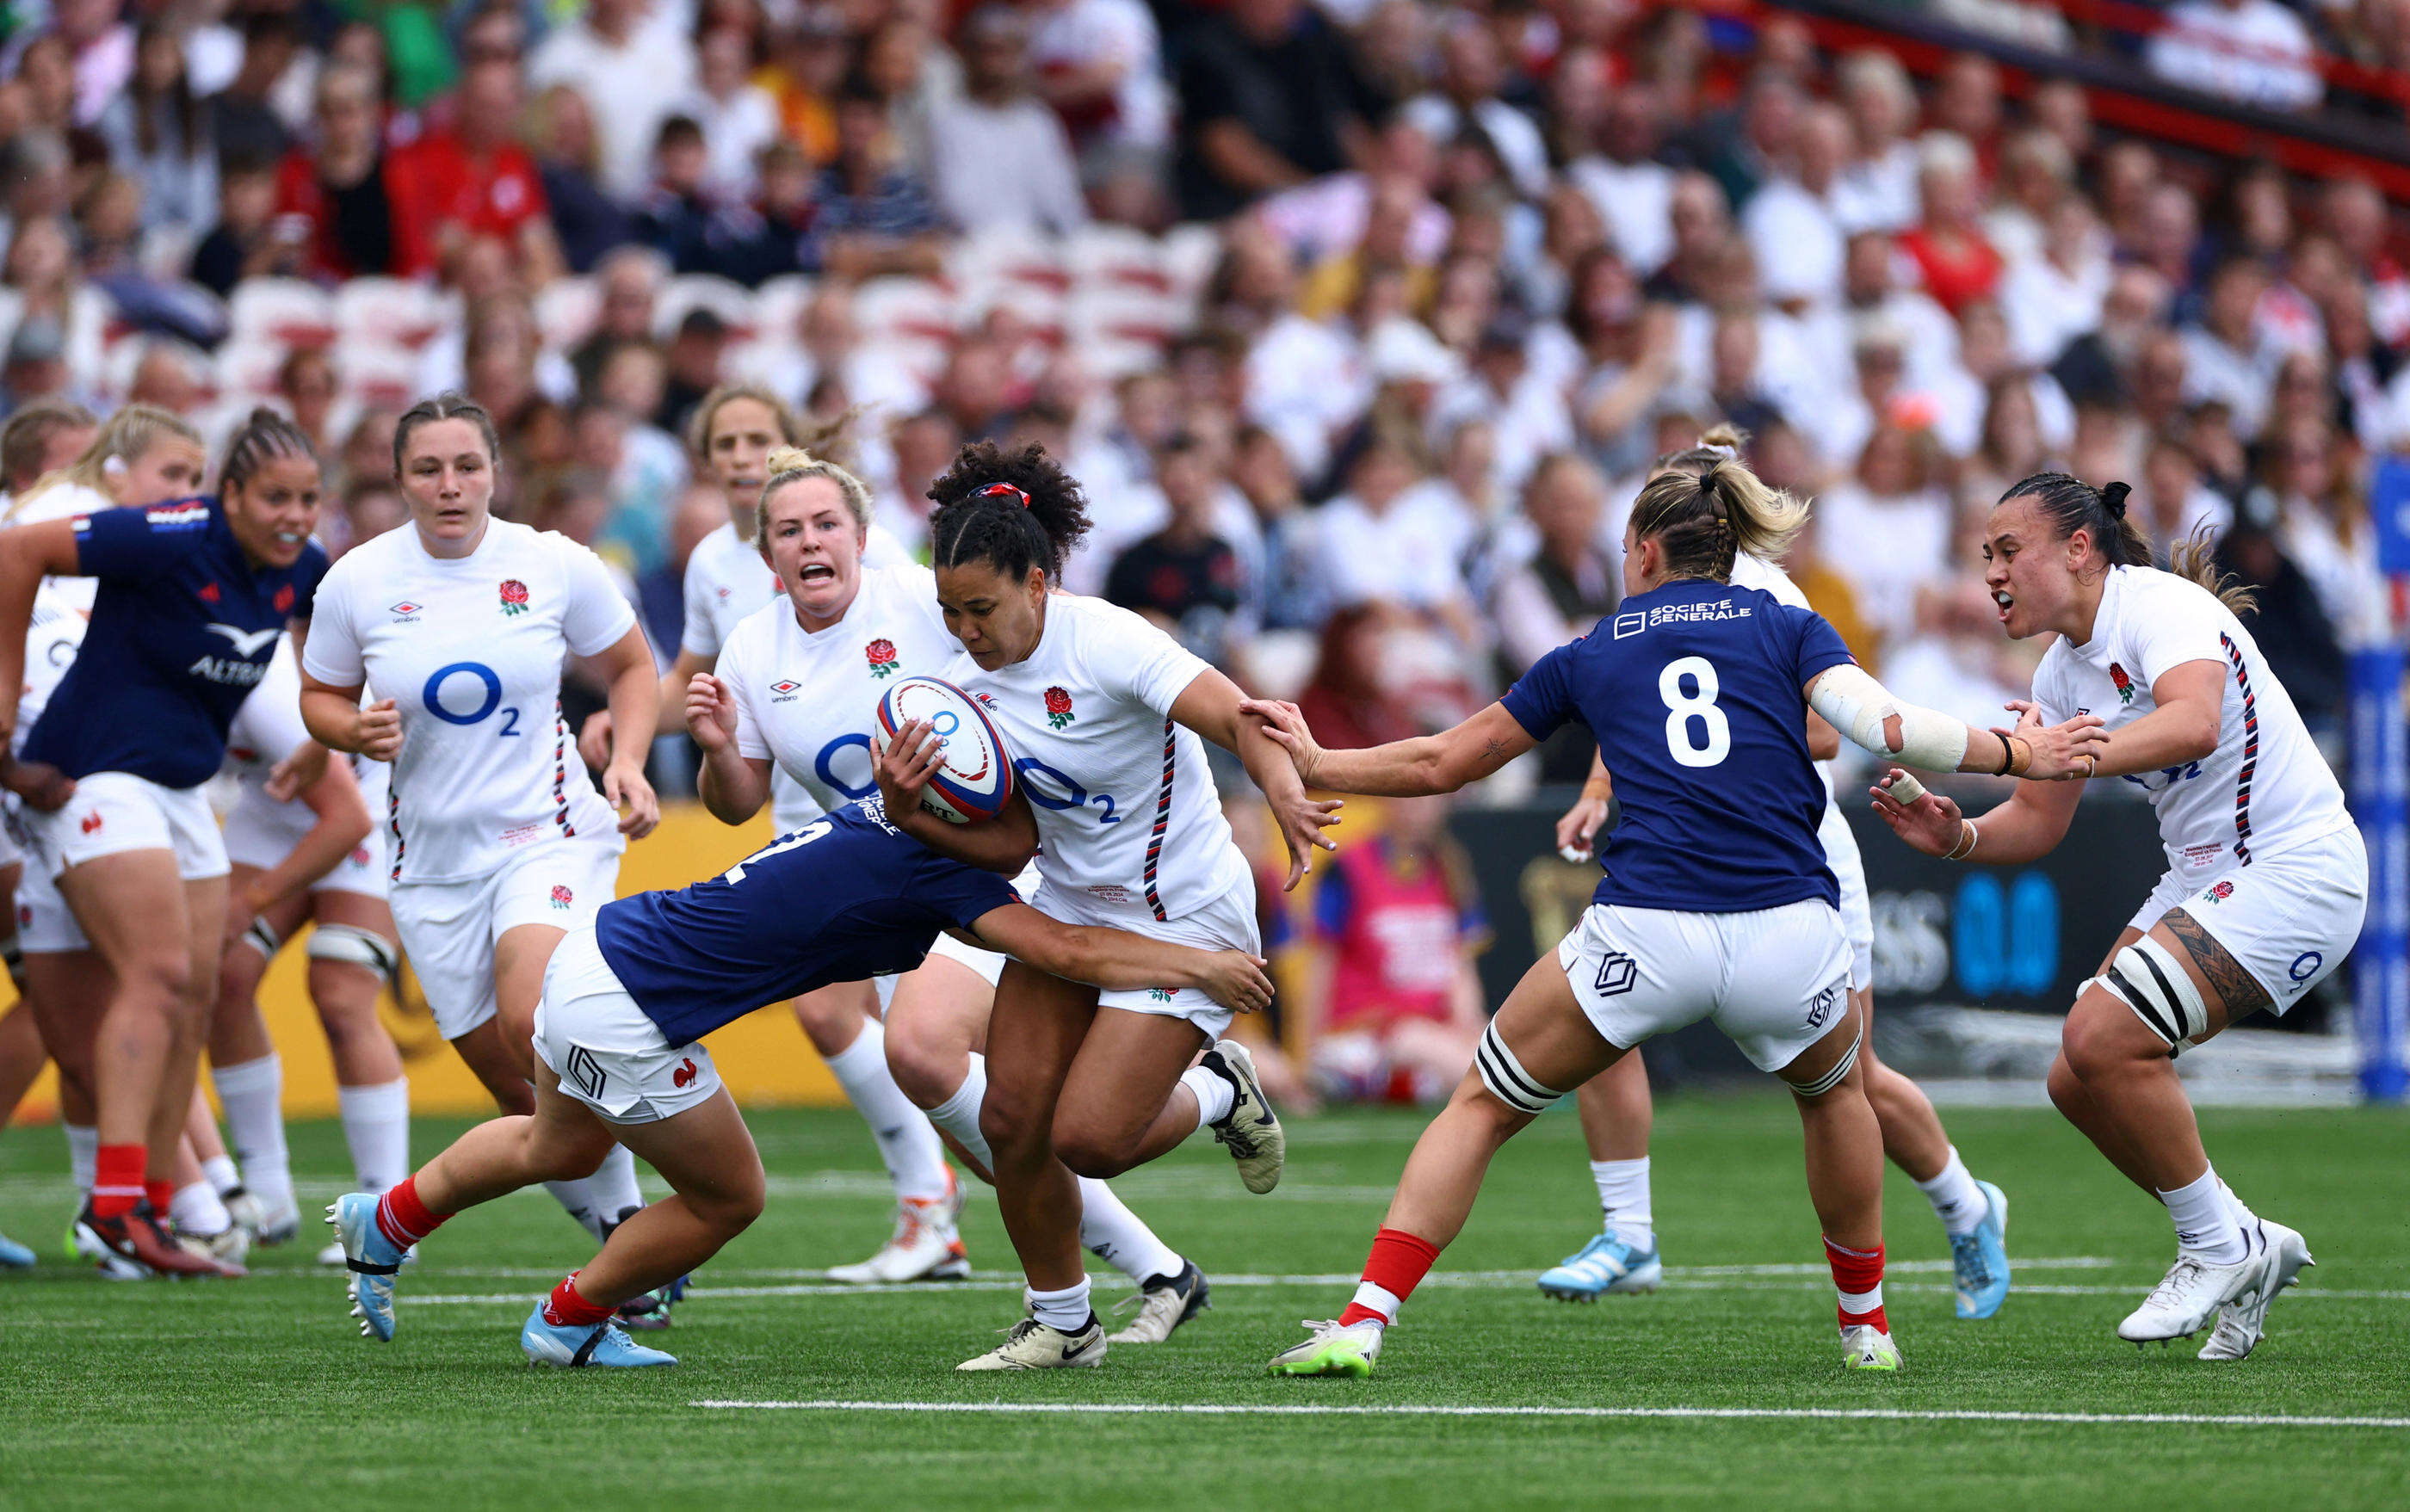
<point x="2234" y="987"/>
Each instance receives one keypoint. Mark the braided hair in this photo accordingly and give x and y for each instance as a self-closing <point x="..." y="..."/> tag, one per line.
<point x="1704" y="518"/>
<point x="451" y="404"/>
<point x="263" y="437"/>
<point x="1013" y="509"/>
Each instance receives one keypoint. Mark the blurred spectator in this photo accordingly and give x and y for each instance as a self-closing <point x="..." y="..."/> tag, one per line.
<point x="1183" y="576"/>
<point x="2227" y="359"/>
<point x="40" y="268"/>
<point x="36" y="364"/>
<point x="809" y="64"/>
<point x="738" y="118"/>
<point x="93" y="44"/>
<point x="306" y="385"/>
<point x="1793" y="221"/>
<point x="1632" y="191"/>
<point x="998" y="155"/>
<point x="42" y="436"/>
<point x="2258" y="51"/>
<point x="1349" y="702"/>
<point x="244" y="118"/>
<point x="1954" y="261"/>
<point x="631" y="280"/>
<point x="1392" y="1002"/>
<point x="632" y="74"/>
<point x="473" y="179"/>
<point x="1896" y="523"/>
<point x="1569" y="580"/>
<point x="2172" y="504"/>
<point x="585" y="221"/>
<point x="1466" y="104"/>
<point x="675" y="216"/>
<point x="1100" y="66"/>
<point x="874" y="218"/>
<point x="1390" y="540"/>
<point x="1269" y="99"/>
<point x="1294" y="593"/>
<point x="1957" y="662"/>
<point x="171" y="376"/>
<point x="691" y="367"/>
<point x="156" y="130"/>
<point x="332" y="197"/>
<point x="924" y="446"/>
<point x="1880" y="186"/>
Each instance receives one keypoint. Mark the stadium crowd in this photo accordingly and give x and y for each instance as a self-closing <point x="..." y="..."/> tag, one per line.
<point x="1359" y="320"/>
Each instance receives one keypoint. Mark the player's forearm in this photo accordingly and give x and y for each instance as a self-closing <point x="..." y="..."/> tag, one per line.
<point x="991" y="847"/>
<point x="636" y="703"/>
<point x="1119" y="961"/>
<point x="332" y="720"/>
<point x="2168" y="735"/>
<point x="20" y="578"/>
<point x="2014" y="832"/>
<point x="315" y="854"/>
<point x="733" y="788"/>
<point x="1402" y="769"/>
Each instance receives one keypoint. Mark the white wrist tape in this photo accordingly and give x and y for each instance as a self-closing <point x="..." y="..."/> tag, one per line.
<point x="1857" y="706"/>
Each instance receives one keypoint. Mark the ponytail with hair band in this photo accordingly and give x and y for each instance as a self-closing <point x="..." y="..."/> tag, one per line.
<point x="1002" y="490"/>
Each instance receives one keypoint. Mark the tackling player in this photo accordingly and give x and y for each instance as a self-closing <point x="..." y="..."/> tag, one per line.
<point x="1717" y="902"/>
<point x="628" y="998"/>
<point x="498" y="844"/>
<point x="2267" y="879"/>
<point x="191" y="598"/>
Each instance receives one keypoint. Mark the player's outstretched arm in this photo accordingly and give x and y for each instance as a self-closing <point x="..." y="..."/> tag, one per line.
<point x="28" y="554"/>
<point x="1210" y="705"/>
<point x="1867" y="714"/>
<point x="1577" y="827"/>
<point x="1403" y="768"/>
<point x="1003" y="844"/>
<point x="342" y="822"/>
<point x="635" y="704"/>
<point x="1119" y="961"/>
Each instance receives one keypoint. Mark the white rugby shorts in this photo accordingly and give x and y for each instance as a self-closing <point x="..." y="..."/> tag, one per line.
<point x="1857" y="910"/>
<point x="448" y="929"/>
<point x="1776" y="980"/>
<point x="608" y="1054"/>
<point x="1226" y="923"/>
<point x="261" y="833"/>
<point x="44" y="922"/>
<point x="113" y="812"/>
<point x="2289" y="918"/>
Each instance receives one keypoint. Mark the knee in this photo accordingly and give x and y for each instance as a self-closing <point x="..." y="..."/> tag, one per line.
<point x="2066" y="1090"/>
<point x="2094" y="1049"/>
<point x="1014" y="1128"/>
<point x="730" y="1211"/>
<point x="164" y="978"/>
<point x="563" y="1160"/>
<point x="1091" y="1150"/>
<point x="922" y="1064"/>
<point x="830" y="1022"/>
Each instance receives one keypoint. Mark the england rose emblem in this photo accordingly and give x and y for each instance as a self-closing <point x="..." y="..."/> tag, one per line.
<point x="2125" y="684"/>
<point x="561" y="896"/>
<point x="515" y="596"/>
<point x="1058" y="707"/>
<point x="2221" y="892"/>
<point x="882" y="655"/>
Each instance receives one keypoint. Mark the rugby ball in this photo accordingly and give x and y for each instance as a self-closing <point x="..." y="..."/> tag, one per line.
<point x="975" y="779"/>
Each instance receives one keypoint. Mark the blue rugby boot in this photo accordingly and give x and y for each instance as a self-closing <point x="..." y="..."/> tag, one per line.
<point x="1980" y="1257"/>
<point x="578" y="1345"/>
<point x="1606" y="1264"/>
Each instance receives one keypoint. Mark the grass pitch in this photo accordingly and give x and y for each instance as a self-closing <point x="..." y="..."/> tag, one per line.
<point x="259" y="1394"/>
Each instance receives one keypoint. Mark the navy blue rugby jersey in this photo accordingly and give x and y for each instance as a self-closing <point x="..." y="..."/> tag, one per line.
<point x="182" y="629"/>
<point x="845" y="897"/>
<point x="1693" y="689"/>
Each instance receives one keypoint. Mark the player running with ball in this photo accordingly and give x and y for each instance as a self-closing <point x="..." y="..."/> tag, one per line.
<point x="627" y="998"/>
<point x="2267" y="879"/>
<point x="1716" y="901"/>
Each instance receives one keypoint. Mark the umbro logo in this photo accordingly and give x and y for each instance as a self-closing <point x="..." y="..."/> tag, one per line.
<point x="786" y="688"/>
<point x="405" y="609"/>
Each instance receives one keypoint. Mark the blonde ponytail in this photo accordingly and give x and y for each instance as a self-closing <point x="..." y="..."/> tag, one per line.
<point x="1702" y="520"/>
<point x="793" y="464"/>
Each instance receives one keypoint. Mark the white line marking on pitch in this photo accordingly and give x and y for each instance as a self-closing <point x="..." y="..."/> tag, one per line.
<point x="1429" y="1410"/>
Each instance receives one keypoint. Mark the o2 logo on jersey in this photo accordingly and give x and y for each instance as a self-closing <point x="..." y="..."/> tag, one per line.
<point x="1616" y="974"/>
<point x="1061" y="793"/>
<point x="432" y="696"/>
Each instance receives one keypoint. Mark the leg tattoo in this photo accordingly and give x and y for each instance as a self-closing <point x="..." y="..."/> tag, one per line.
<point x="2235" y="988"/>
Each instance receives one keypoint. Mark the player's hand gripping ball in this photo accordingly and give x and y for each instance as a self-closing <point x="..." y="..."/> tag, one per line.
<point x="974" y="781"/>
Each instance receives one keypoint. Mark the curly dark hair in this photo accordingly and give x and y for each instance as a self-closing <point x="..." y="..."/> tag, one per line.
<point x="1013" y="510"/>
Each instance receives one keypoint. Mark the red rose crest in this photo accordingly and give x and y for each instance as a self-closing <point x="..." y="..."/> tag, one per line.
<point x="515" y="596"/>
<point x="561" y="896"/>
<point x="880" y="654"/>
<point x="1058" y="707"/>
<point x="2125" y="684"/>
<point x="2222" y="891"/>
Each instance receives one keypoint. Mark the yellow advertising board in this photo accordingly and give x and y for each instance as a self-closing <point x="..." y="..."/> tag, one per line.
<point x="763" y="1057"/>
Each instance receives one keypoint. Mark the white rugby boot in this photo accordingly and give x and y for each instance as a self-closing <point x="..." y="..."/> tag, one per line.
<point x="1869" y="1348"/>
<point x="1333" y="1349"/>
<point x="1030" y="1345"/>
<point x="2241" y="1323"/>
<point x="925" y="1245"/>
<point x="2189" y="1295"/>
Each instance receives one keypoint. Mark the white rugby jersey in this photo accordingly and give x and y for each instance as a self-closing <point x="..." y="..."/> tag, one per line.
<point x="65" y="501"/>
<point x="1764" y="575"/>
<point x="808" y="701"/>
<point x="727" y="580"/>
<point x="2264" y="790"/>
<point x="471" y="649"/>
<point x="1126" y="811"/>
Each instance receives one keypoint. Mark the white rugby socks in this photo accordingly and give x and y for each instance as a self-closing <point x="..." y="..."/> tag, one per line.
<point x="1107" y="1229"/>
<point x="916" y="1161"/>
<point x="252" y="1092"/>
<point x="223" y="1175"/>
<point x="613" y="1185"/>
<point x="1623" y="1200"/>
<point x="197" y="1211"/>
<point x="1957" y="1202"/>
<point x="1215" y="1095"/>
<point x="376" y="1129"/>
<point x="83" y="1156"/>
<point x="2205" y="1226"/>
<point x="1067" y="1310"/>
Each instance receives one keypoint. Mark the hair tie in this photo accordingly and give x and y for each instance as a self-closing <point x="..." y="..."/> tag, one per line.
<point x="1001" y="490"/>
<point x="2112" y="499"/>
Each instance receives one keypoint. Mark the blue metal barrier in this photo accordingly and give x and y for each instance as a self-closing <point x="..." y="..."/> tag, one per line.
<point x="2380" y="800"/>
